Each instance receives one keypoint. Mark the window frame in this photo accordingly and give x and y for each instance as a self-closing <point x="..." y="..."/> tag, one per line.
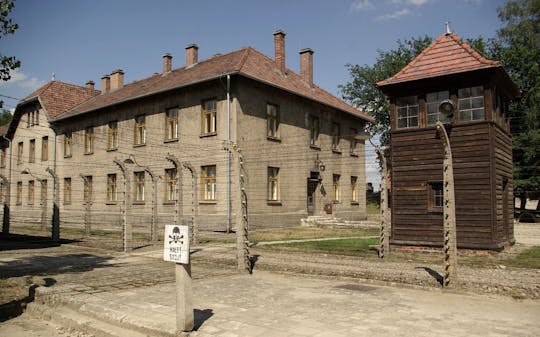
<point x="138" y="186"/>
<point x="112" y="136"/>
<point x="273" y="193"/>
<point x="89" y="140"/>
<point x="45" y="148"/>
<point x="208" y="180"/>
<point x="139" y="129"/>
<point x="87" y="189"/>
<point x="20" y="153"/>
<point x="68" y="144"/>
<point x="209" y="115"/>
<point x="336" y="135"/>
<point x="435" y="104"/>
<point x="409" y="115"/>
<point x="314" y="131"/>
<point x="67" y="191"/>
<point x="3" y="156"/>
<point x="470" y="99"/>
<point x="272" y="121"/>
<point x="435" y="196"/>
<point x="32" y="151"/>
<point x="112" y="188"/>
<point x="354" y="190"/>
<point x="336" y="188"/>
<point x="19" y="192"/>
<point x="31" y="192"/>
<point x="170" y="184"/>
<point x="171" y="125"/>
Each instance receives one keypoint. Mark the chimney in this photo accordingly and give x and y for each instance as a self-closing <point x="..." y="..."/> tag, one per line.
<point x="306" y="65"/>
<point x="117" y="79"/>
<point x="167" y="63"/>
<point x="105" y="84"/>
<point x="279" y="49"/>
<point x="192" y="54"/>
<point x="90" y="85"/>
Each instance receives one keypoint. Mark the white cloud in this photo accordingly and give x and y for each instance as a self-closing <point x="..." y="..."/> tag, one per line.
<point x="394" y="15"/>
<point x="22" y="80"/>
<point x="410" y="2"/>
<point x="362" y="5"/>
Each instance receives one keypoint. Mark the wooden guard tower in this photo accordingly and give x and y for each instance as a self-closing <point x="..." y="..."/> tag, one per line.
<point x="452" y="83"/>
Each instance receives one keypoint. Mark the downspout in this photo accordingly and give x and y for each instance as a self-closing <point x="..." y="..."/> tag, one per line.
<point x="7" y="200"/>
<point x="229" y="222"/>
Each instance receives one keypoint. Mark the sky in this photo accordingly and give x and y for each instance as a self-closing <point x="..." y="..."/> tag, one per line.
<point x="81" y="40"/>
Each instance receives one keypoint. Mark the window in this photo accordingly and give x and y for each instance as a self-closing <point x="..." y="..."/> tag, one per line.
<point x="471" y="104"/>
<point x="171" y="125"/>
<point x="336" y="189"/>
<point x="170" y="184"/>
<point x="208" y="181"/>
<point x="68" y="140"/>
<point x="407" y="112"/>
<point x="87" y="190"/>
<point x="353" y="133"/>
<point x="208" y="117"/>
<point x="273" y="184"/>
<point x="112" y="142"/>
<point x="138" y="186"/>
<point x="28" y="120"/>
<point x="436" y="196"/>
<point x="67" y="191"/>
<point x="335" y="137"/>
<point x="89" y="140"/>
<point x="272" y="121"/>
<point x="314" y="129"/>
<point x="32" y="151"/>
<point x="20" y="149"/>
<point x="19" y="193"/>
<point x="354" y="189"/>
<point x="433" y="100"/>
<point x="3" y="158"/>
<point x="45" y="148"/>
<point x="140" y="130"/>
<point x="111" y="187"/>
<point x="30" y="192"/>
<point x="43" y="191"/>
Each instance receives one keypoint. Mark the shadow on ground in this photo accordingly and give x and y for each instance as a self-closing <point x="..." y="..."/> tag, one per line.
<point x="201" y="316"/>
<point x="20" y="242"/>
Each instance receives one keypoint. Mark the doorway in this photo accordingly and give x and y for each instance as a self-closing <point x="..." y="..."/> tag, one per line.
<point x="312" y="183"/>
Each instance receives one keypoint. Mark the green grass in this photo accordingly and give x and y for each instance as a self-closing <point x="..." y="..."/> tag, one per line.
<point x="339" y="246"/>
<point x="373" y="208"/>
<point x="530" y="258"/>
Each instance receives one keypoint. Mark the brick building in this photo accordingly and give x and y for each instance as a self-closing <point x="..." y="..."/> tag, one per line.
<point x="303" y="148"/>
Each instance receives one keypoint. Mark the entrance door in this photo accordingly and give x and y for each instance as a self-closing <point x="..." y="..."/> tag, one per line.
<point x="311" y="188"/>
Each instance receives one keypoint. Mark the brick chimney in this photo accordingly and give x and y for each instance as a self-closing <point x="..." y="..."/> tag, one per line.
<point x="90" y="85"/>
<point x="306" y="65"/>
<point x="167" y="63"/>
<point x="105" y="84"/>
<point x="117" y="79"/>
<point x="279" y="49"/>
<point x="192" y="54"/>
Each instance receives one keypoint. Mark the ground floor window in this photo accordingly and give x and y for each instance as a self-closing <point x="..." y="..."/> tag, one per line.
<point x="354" y="189"/>
<point x="139" y="186"/>
<point x="273" y="184"/>
<point x="208" y="181"/>
<point x="67" y="191"/>
<point x="435" y="196"/>
<point x="111" y="187"/>
<point x="336" y="189"/>
<point x="170" y="184"/>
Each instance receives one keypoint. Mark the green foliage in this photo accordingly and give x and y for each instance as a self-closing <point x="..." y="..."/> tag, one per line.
<point x="5" y="117"/>
<point x="7" y="63"/>
<point x="518" y="48"/>
<point x="362" y="92"/>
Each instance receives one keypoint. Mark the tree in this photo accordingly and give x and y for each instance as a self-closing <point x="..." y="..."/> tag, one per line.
<point x="5" y="117"/>
<point x="363" y="93"/>
<point x="518" y="47"/>
<point x="8" y="63"/>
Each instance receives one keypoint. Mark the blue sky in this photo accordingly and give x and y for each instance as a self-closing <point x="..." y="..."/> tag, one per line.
<point x="80" y="40"/>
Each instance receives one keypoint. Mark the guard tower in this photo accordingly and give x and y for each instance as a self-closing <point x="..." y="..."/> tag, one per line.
<point x="452" y="83"/>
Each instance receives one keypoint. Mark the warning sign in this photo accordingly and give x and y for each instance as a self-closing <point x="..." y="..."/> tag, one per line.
<point x="176" y="244"/>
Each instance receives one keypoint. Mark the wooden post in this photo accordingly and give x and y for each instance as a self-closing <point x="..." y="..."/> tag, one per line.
<point x="449" y="214"/>
<point x="384" y="241"/>
<point x="184" y="298"/>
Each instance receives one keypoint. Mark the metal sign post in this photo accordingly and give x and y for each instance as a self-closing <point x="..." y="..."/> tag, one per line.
<point x="176" y="249"/>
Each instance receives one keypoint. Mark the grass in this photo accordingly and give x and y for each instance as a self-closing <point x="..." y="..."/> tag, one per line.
<point x="358" y="246"/>
<point x="111" y="234"/>
<point x="373" y="208"/>
<point x="307" y="233"/>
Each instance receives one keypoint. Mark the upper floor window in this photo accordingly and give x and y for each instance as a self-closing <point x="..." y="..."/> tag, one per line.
<point x="273" y="184"/>
<point x="314" y="129"/>
<point x="32" y="151"/>
<point x="272" y="121"/>
<point x="336" y="187"/>
<point x="407" y="112"/>
<point x="336" y="134"/>
<point x="433" y="100"/>
<point x="140" y="130"/>
<point x="208" y="117"/>
<point x="89" y="140"/>
<point x="45" y="148"/>
<point x="171" y="124"/>
<point x="471" y="104"/>
<point x="20" y="149"/>
<point x="170" y="184"/>
<point x="353" y="141"/>
<point x="208" y="181"/>
<point x="111" y="187"/>
<point x="68" y="141"/>
<point x="112" y="132"/>
<point x="139" y="185"/>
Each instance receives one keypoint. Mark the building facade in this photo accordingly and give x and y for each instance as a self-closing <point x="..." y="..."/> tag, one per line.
<point x="115" y="153"/>
<point x="450" y="72"/>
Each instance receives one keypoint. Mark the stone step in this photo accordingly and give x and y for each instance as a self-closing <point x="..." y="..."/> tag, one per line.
<point x="74" y="320"/>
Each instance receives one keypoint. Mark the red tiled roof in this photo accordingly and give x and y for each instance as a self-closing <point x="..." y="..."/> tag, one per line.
<point x="446" y="55"/>
<point x="247" y="62"/>
<point x="56" y="97"/>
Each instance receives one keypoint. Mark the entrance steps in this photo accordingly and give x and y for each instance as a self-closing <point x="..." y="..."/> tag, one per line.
<point x="333" y="222"/>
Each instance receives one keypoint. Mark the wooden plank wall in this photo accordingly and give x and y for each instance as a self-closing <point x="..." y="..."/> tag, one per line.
<point x="504" y="232"/>
<point x="417" y="157"/>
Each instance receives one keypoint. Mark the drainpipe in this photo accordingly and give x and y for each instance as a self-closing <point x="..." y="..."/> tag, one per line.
<point x="229" y="225"/>
<point x="7" y="199"/>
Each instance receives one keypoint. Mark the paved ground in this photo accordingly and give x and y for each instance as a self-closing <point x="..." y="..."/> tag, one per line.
<point x="137" y="291"/>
